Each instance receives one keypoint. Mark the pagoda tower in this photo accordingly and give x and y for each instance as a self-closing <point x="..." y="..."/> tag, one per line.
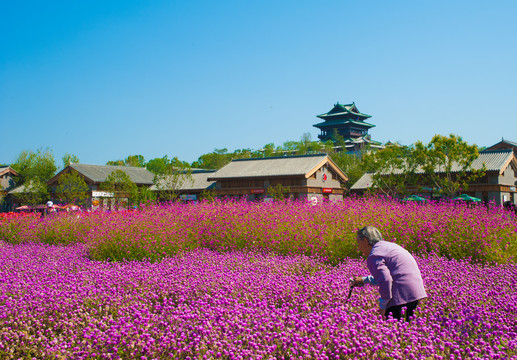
<point x="348" y="122"/>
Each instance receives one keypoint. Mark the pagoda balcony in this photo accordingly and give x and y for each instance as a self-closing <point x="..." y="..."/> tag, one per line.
<point x="355" y="133"/>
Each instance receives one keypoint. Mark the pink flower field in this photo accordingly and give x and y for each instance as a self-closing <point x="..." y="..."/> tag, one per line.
<point x="328" y="231"/>
<point x="239" y="280"/>
<point x="55" y="303"/>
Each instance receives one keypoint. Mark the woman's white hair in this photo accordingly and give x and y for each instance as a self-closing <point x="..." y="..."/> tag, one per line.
<point x="370" y="233"/>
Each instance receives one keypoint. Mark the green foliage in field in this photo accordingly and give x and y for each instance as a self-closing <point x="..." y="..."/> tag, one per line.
<point x="327" y="230"/>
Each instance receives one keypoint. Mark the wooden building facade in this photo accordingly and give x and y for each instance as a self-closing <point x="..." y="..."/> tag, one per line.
<point x="7" y="183"/>
<point x="94" y="175"/>
<point x="498" y="184"/>
<point x="305" y="176"/>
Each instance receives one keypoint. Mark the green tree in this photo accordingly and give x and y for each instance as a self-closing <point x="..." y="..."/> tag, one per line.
<point x="328" y="147"/>
<point x="208" y="194"/>
<point x="214" y="160"/>
<point x="304" y="144"/>
<point x="72" y="188"/>
<point x="34" y="192"/>
<point x="69" y="159"/>
<point x="135" y="160"/>
<point x="279" y="192"/>
<point x="292" y="147"/>
<point x="158" y="165"/>
<point x="175" y="176"/>
<point x="339" y="140"/>
<point x="131" y="160"/>
<point x="269" y="150"/>
<point x="447" y="163"/>
<point x="39" y="164"/>
<point x="115" y="163"/>
<point x="351" y="164"/>
<point x="119" y="183"/>
<point x="146" y="196"/>
<point x="394" y="169"/>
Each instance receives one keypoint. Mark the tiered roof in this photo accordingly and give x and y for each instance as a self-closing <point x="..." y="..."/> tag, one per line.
<point x="340" y="110"/>
<point x="342" y="115"/>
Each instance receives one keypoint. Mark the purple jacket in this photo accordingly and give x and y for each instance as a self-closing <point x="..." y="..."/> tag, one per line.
<point x="396" y="272"/>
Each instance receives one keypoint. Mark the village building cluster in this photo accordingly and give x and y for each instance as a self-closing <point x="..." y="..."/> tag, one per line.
<point x="312" y="177"/>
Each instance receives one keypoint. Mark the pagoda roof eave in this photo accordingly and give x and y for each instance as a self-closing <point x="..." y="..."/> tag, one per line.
<point x="332" y="123"/>
<point x="344" y="109"/>
<point x="324" y="116"/>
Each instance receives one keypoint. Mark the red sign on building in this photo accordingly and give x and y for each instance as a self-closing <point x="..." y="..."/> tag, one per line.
<point x="258" y="191"/>
<point x="327" y="190"/>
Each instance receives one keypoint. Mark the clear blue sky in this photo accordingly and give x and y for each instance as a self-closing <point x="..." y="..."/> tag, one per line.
<point x="106" y="79"/>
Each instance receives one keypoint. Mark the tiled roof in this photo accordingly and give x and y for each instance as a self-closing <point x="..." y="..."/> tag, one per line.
<point x="364" y="182"/>
<point x="18" y="190"/>
<point x="273" y="166"/>
<point x="346" y="109"/>
<point x="503" y="144"/>
<point x="99" y="173"/>
<point x="199" y="182"/>
<point x="495" y="160"/>
<point x="343" y="122"/>
<point x="5" y="169"/>
<point x="510" y="142"/>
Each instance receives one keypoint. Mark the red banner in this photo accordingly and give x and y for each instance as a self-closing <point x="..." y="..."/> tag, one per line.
<point x="327" y="190"/>
<point x="258" y="191"/>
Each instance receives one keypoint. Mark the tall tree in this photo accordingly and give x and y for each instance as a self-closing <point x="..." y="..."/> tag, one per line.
<point x="38" y="164"/>
<point x="116" y="163"/>
<point x="146" y="196"/>
<point x="214" y="160"/>
<point x="175" y="176"/>
<point x="135" y="160"/>
<point x="339" y="140"/>
<point x="119" y="183"/>
<point x="394" y="169"/>
<point x="34" y="192"/>
<point x="279" y="192"/>
<point x="72" y="188"/>
<point x="157" y="165"/>
<point x="69" y="159"/>
<point x="131" y="160"/>
<point x="269" y="150"/>
<point x="351" y="164"/>
<point x="447" y="162"/>
<point x="292" y="147"/>
<point x="328" y="147"/>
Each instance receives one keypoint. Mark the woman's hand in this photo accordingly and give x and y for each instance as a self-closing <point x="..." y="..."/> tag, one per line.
<point x="356" y="281"/>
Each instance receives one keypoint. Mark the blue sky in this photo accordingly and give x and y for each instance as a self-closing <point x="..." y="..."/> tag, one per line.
<point x="107" y="79"/>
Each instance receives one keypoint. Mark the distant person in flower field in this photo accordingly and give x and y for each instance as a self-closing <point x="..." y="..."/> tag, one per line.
<point x="394" y="270"/>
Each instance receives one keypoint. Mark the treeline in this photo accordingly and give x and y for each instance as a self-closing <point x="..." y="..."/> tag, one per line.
<point x="394" y="169"/>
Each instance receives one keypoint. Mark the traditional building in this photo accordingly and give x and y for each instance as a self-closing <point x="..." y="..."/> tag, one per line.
<point x="348" y="122"/>
<point x="94" y="175"/>
<point x="305" y="176"/>
<point x="498" y="184"/>
<point x="504" y="144"/>
<point x="7" y="183"/>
